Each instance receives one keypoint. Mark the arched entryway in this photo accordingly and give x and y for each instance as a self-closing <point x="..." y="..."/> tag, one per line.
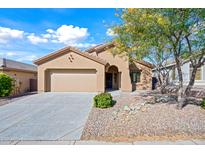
<point x="112" y="78"/>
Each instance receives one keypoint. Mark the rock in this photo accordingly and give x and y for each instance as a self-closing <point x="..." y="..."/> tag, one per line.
<point x="171" y="89"/>
<point x="150" y="102"/>
<point x="132" y="112"/>
<point x="148" y="105"/>
<point x="199" y="93"/>
<point x="115" y="113"/>
<point x="195" y="92"/>
<point x="165" y="98"/>
<point x="149" y="98"/>
<point x="137" y="107"/>
<point x="143" y="103"/>
<point x="127" y="108"/>
<point x="143" y="109"/>
<point x="193" y="100"/>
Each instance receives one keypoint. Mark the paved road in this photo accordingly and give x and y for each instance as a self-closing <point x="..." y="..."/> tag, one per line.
<point x="46" y="116"/>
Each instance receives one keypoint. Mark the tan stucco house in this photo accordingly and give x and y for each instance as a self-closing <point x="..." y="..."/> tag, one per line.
<point x="24" y="75"/>
<point x="93" y="70"/>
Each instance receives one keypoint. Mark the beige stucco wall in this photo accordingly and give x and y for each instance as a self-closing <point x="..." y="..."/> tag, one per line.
<point x="78" y="62"/>
<point x="121" y="62"/>
<point x="145" y="78"/>
<point x="23" y="78"/>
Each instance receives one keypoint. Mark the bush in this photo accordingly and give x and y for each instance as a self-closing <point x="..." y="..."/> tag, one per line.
<point x="103" y="100"/>
<point x="203" y="103"/>
<point x="6" y="85"/>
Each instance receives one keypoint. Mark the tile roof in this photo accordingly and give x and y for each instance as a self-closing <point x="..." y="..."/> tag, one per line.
<point x="68" y="49"/>
<point x="103" y="47"/>
<point x="11" y="64"/>
<point x="100" y="47"/>
<point x="143" y="63"/>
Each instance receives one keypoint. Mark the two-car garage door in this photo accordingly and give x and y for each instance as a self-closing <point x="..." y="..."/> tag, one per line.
<point x="82" y="80"/>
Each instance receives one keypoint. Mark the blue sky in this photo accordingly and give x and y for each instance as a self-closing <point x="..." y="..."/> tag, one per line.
<point x="27" y="34"/>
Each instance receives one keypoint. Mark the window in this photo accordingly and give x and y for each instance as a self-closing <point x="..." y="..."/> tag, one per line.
<point x="198" y="73"/>
<point x="135" y="77"/>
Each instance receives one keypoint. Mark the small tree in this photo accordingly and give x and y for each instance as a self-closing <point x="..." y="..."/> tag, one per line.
<point x="185" y="30"/>
<point x="160" y="59"/>
<point x="6" y="85"/>
<point x="138" y="38"/>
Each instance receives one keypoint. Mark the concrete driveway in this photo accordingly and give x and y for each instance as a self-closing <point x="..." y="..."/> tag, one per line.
<point x="46" y="116"/>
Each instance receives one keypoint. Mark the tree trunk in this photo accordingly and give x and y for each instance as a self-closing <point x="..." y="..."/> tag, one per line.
<point x="159" y="79"/>
<point x="162" y="88"/>
<point x="181" y="97"/>
<point x="191" y="82"/>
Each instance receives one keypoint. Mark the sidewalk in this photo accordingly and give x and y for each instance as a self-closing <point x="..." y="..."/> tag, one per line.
<point x="80" y="142"/>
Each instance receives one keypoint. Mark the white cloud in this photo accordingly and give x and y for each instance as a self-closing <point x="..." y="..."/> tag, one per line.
<point x="65" y="34"/>
<point x="47" y="36"/>
<point x="19" y="55"/>
<point x="68" y="34"/>
<point x="50" y="31"/>
<point x="110" y="32"/>
<point x="84" y="45"/>
<point x="36" y="39"/>
<point x="10" y="54"/>
<point x="27" y="58"/>
<point x="7" y="34"/>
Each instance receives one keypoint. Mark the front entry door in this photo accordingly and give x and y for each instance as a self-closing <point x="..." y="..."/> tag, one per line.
<point x="108" y="80"/>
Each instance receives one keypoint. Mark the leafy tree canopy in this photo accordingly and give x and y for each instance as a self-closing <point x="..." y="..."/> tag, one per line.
<point x="144" y="31"/>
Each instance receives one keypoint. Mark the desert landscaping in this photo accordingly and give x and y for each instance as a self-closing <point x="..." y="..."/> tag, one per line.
<point x="136" y="117"/>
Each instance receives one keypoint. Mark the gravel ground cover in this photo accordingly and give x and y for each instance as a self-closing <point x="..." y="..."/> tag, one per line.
<point x="132" y="119"/>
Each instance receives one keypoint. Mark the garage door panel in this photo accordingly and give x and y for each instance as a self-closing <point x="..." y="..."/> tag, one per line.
<point x="73" y="80"/>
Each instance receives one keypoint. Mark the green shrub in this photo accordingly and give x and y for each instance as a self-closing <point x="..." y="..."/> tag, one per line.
<point x="103" y="100"/>
<point x="6" y="85"/>
<point x="203" y="103"/>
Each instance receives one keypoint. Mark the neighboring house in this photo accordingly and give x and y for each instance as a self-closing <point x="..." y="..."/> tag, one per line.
<point x="93" y="70"/>
<point x="24" y="75"/>
<point x="186" y="70"/>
